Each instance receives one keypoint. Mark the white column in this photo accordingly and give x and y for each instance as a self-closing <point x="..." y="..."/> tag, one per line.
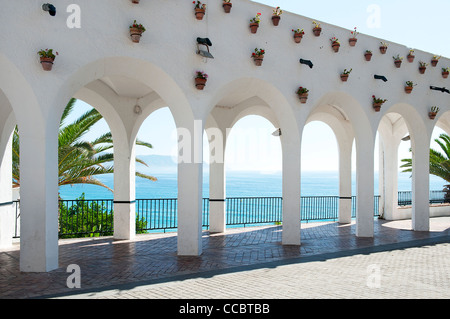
<point x="7" y="215"/>
<point x="291" y="192"/>
<point x="39" y="199"/>
<point x="217" y="198"/>
<point x="124" y="193"/>
<point x="190" y="182"/>
<point x="421" y="185"/>
<point x="345" y="182"/>
<point x="364" y="187"/>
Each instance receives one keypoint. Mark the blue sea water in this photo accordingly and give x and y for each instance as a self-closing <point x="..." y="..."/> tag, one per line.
<point x="238" y="184"/>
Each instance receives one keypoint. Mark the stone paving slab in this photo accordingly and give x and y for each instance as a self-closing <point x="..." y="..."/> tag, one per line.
<point x="106" y="263"/>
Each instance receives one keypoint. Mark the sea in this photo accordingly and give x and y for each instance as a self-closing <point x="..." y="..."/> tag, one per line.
<point x="238" y="184"/>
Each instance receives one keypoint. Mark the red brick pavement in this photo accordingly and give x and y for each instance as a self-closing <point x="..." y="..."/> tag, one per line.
<point x="105" y="262"/>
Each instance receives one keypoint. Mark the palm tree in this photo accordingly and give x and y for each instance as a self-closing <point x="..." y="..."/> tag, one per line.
<point x="79" y="161"/>
<point x="439" y="161"/>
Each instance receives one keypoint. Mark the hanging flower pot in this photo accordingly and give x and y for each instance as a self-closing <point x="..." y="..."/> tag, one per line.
<point x="47" y="57"/>
<point x="422" y="67"/>
<point x="254" y="23"/>
<point x="335" y="45"/>
<point x="409" y="87"/>
<point x="383" y="48"/>
<point x="276" y="16"/>
<point x="227" y="6"/>
<point x="135" y="1"/>
<point x="200" y="10"/>
<point x="298" y="35"/>
<point x="352" y="41"/>
<point x="302" y="94"/>
<point x="317" y="29"/>
<point x="368" y="55"/>
<point x="445" y="72"/>
<point x="411" y="56"/>
<point x="345" y="74"/>
<point x="433" y="112"/>
<point x="258" y="56"/>
<point x="136" y="31"/>
<point x="377" y="103"/>
<point x="397" y="61"/>
<point x="435" y="60"/>
<point x="200" y="80"/>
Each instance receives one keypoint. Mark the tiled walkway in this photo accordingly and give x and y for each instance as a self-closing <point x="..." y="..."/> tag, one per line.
<point x="106" y="263"/>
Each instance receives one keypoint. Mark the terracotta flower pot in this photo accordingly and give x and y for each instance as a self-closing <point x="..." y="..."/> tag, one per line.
<point x="432" y="115"/>
<point x="434" y="62"/>
<point x="377" y="107"/>
<point x="303" y="97"/>
<point x="344" y="77"/>
<point x="258" y="59"/>
<point x="276" y="20"/>
<point x="383" y="49"/>
<point x="445" y="75"/>
<point x="135" y="1"/>
<point x="410" y="58"/>
<point x="408" y="89"/>
<point x="352" y="41"/>
<point x="47" y="63"/>
<point x="336" y="47"/>
<point x="368" y="56"/>
<point x="422" y="69"/>
<point x="254" y="27"/>
<point x="227" y="7"/>
<point x="135" y="34"/>
<point x="398" y="63"/>
<point x="317" y="31"/>
<point x="298" y="37"/>
<point x="199" y="13"/>
<point x="200" y="83"/>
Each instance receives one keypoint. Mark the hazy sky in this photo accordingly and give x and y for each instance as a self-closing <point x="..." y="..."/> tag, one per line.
<point x="413" y="23"/>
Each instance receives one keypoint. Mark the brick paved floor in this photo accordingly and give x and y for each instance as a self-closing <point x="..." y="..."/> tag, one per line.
<point x="105" y="263"/>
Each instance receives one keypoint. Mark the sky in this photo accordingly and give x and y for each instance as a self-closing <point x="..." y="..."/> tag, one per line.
<point x="413" y="23"/>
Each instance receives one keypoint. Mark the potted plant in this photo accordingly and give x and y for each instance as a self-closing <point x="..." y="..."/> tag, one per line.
<point x="352" y="41"/>
<point x="298" y="35"/>
<point x="302" y="94"/>
<point x="258" y="56"/>
<point x="345" y="74"/>
<point x="368" y="55"/>
<point x="383" y="47"/>
<point x="317" y="29"/>
<point x="200" y="80"/>
<point x="47" y="57"/>
<point x="276" y="16"/>
<point x="433" y="112"/>
<point x="445" y="72"/>
<point x="411" y="56"/>
<point x="335" y="44"/>
<point x="135" y="1"/>
<point x="377" y="102"/>
<point x="136" y="30"/>
<point x="254" y="23"/>
<point x="200" y="9"/>
<point x="398" y="60"/>
<point x="422" y="67"/>
<point x="227" y="6"/>
<point x="435" y="60"/>
<point x="409" y="86"/>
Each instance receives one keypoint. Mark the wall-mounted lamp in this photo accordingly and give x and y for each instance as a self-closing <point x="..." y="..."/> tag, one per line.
<point x="307" y="62"/>
<point x="439" y="89"/>
<point x="380" y="77"/>
<point x="50" y="8"/>
<point x="207" y="43"/>
<point x="137" y="109"/>
<point x="277" y="132"/>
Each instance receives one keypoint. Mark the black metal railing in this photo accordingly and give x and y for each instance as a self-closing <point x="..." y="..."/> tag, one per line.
<point x="85" y="218"/>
